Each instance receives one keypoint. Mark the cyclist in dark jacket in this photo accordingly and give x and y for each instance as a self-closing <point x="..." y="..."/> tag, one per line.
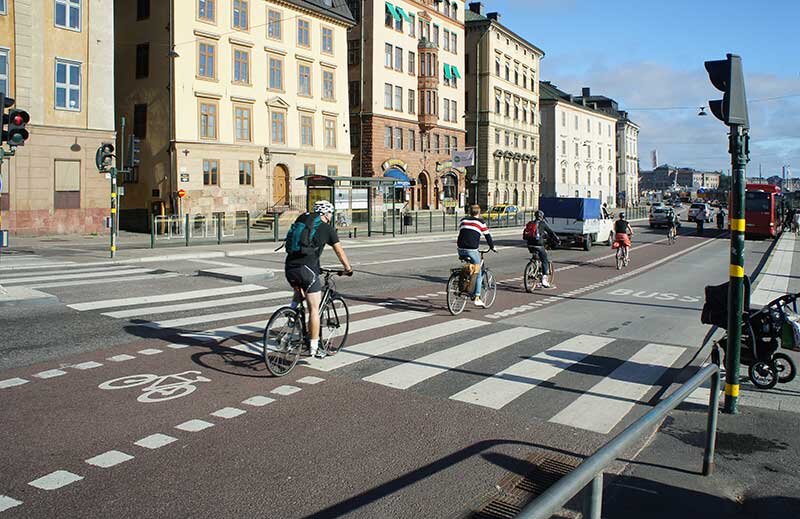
<point x="536" y="243"/>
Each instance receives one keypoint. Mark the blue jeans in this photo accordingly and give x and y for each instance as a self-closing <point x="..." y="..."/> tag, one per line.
<point x="475" y="258"/>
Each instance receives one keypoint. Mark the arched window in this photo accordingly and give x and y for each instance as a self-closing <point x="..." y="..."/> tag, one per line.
<point x="450" y="186"/>
<point x="496" y="197"/>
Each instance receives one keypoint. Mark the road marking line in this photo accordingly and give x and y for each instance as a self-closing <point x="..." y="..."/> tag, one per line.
<point x="228" y="412"/>
<point x="12" y="382"/>
<point x="150" y="351"/>
<point x="87" y="365"/>
<point x="210" y="318"/>
<point x="258" y="401"/>
<point x="10" y="278"/>
<point x="506" y="386"/>
<point x="39" y="266"/>
<point x="104" y="281"/>
<point x="155" y="441"/>
<point x="311" y="380"/>
<point x="194" y="425"/>
<point x="386" y="320"/>
<point x="218" y="263"/>
<point x="177" y="296"/>
<point x="608" y="401"/>
<point x="411" y="373"/>
<point x="8" y="502"/>
<point x="121" y="358"/>
<point x="55" y="480"/>
<point x="90" y="275"/>
<point x="384" y="345"/>
<point x="50" y="373"/>
<point x="213" y="303"/>
<point x="177" y="346"/>
<point x="109" y="459"/>
<point x="285" y="390"/>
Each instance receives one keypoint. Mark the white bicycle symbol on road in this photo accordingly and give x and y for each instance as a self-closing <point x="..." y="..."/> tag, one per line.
<point x="160" y="388"/>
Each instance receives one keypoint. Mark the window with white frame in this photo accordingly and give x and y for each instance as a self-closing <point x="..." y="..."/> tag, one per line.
<point x="412" y="63"/>
<point x="446" y="109"/>
<point x="304" y="80"/>
<point x="329" y="131"/>
<point x="4" y="70"/>
<point x="387" y="96"/>
<point x="68" y="14"/>
<point x="446" y="39"/>
<point x="278" y="127"/>
<point x="68" y="85"/>
<point x="327" y="85"/>
<point x="327" y="40"/>
<point x="412" y="102"/>
<point x="453" y="111"/>
<point x="388" y="55"/>
<point x="3" y="7"/>
<point x="398" y="59"/>
<point x="454" y="43"/>
<point x="304" y="33"/>
<point x="306" y="130"/>
<point x="398" y="98"/>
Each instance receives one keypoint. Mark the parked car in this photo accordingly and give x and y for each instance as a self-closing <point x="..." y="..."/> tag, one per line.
<point x="660" y="217"/>
<point x="500" y="211"/>
<point x="697" y="207"/>
<point x="657" y="205"/>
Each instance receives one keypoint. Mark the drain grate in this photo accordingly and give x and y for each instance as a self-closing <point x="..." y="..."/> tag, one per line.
<point x="515" y="491"/>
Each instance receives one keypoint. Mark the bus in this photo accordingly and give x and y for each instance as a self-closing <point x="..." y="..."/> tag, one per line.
<point x="762" y="203"/>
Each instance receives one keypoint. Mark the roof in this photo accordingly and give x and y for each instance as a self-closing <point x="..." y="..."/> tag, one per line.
<point x="336" y="9"/>
<point x="549" y="92"/>
<point x="473" y="18"/>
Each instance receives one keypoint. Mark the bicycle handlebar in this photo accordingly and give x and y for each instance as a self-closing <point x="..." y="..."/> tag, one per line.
<point x="338" y="272"/>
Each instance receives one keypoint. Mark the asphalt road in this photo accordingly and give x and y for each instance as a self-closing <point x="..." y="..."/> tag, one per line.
<point x="421" y="416"/>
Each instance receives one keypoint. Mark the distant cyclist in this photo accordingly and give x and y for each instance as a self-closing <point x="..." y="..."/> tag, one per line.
<point x="313" y="231"/>
<point x="672" y="223"/>
<point x="470" y="230"/>
<point x="622" y="235"/>
<point x="535" y="233"/>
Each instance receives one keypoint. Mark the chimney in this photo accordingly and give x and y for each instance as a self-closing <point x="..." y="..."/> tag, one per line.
<point x="586" y="92"/>
<point x="477" y="8"/>
<point x="494" y="16"/>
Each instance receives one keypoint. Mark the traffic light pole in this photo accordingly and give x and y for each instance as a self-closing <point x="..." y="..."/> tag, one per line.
<point x="113" y="226"/>
<point x="739" y="156"/>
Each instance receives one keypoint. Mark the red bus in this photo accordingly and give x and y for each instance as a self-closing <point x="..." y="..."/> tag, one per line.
<point x="762" y="210"/>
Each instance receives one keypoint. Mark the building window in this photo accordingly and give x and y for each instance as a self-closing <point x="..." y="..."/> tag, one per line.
<point x="398" y="98"/>
<point x="205" y="10"/>
<point x="436" y="143"/>
<point x="329" y="126"/>
<point x="208" y="120"/>
<point x="516" y="77"/>
<point x="278" y="127"/>
<point x="327" y="40"/>
<point x="412" y="63"/>
<point x="241" y="66"/>
<point x="563" y="175"/>
<point x="354" y="93"/>
<point x="142" y="9"/>
<point x="304" y="80"/>
<point x="309" y="170"/>
<point x="304" y="33"/>
<point x="436" y="34"/>
<point x="206" y="60"/>
<point x="387" y="55"/>
<point x="68" y="14"/>
<point x="275" y="73"/>
<point x="412" y="102"/>
<point x="497" y="108"/>
<point x="327" y="85"/>
<point x="454" y="43"/>
<point x="67" y="184"/>
<point x="140" y="121"/>
<point x="446" y="39"/>
<point x="576" y="122"/>
<point x="274" y="26"/>
<point x="387" y="96"/>
<point x="508" y="108"/>
<point x="412" y="140"/>
<point x="508" y="72"/>
<point x="497" y="67"/>
<point x="306" y="130"/>
<point x="333" y="171"/>
<point x="387" y="138"/>
<point x="4" y="71"/>
<point x="412" y="30"/>
<point x="142" y="60"/>
<point x="68" y="85"/>
<point x="210" y="172"/>
<point x="240" y="14"/>
<point x="446" y="109"/>
<point x="353" y="52"/>
<point x="242" y="116"/>
<point x="398" y="138"/>
<point x="398" y="59"/>
<point x="388" y="18"/>
<point x="508" y="139"/>
<point x="497" y="137"/>
<point x="245" y="172"/>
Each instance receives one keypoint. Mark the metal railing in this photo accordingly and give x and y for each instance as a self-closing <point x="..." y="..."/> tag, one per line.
<point x="588" y="477"/>
<point x="205" y="229"/>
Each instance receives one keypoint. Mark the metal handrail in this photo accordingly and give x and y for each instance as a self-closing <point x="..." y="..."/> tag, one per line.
<point x="589" y="475"/>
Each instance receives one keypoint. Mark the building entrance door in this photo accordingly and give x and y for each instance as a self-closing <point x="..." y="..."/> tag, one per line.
<point x="280" y="186"/>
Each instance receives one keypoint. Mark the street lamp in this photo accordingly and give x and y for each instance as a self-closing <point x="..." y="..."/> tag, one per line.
<point x="265" y="158"/>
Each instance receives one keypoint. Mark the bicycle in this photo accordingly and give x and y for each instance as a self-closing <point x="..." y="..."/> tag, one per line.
<point x="672" y="234"/>
<point x="285" y="336"/>
<point x="622" y="257"/>
<point x="532" y="278"/>
<point x="458" y="286"/>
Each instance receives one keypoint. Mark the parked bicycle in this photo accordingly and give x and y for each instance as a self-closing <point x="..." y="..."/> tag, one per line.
<point x="286" y="335"/>
<point x="458" y="286"/>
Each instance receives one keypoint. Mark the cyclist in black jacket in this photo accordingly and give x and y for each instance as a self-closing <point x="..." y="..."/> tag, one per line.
<point x="536" y="242"/>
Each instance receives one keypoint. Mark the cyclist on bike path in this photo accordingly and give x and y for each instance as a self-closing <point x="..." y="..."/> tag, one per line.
<point x="672" y="222"/>
<point x="470" y="230"/>
<point x="303" y="270"/>
<point x="536" y="241"/>
<point x="622" y="233"/>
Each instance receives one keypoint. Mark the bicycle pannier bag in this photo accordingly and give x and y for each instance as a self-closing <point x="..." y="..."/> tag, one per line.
<point x="301" y="239"/>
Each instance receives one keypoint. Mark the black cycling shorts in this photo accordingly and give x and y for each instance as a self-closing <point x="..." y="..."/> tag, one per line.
<point x="304" y="278"/>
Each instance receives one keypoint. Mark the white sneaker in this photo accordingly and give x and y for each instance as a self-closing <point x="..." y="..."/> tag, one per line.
<point x="479" y="303"/>
<point x="546" y="282"/>
<point x="312" y="353"/>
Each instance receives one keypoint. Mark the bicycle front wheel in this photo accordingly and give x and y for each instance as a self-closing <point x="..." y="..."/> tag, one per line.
<point x="282" y="340"/>
<point x="455" y="300"/>
<point x="335" y="324"/>
<point x="531" y="276"/>
<point x="488" y="288"/>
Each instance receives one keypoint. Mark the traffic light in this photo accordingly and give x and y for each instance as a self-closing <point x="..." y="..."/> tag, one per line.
<point x="104" y="156"/>
<point x="726" y="75"/>
<point x="5" y="102"/>
<point x="136" y="149"/>
<point x="17" y="134"/>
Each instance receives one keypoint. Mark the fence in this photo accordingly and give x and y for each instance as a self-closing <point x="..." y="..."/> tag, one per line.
<point x="217" y="228"/>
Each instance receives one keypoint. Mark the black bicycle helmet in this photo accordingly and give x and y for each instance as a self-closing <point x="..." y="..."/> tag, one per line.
<point x="540" y="214"/>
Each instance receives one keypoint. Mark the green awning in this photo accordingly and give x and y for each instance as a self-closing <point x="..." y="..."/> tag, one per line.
<point x="456" y="73"/>
<point x="393" y="11"/>
<point x="447" y="74"/>
<point x="403" y="13"/>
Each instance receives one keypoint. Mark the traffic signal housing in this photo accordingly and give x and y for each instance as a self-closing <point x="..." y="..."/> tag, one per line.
<point x="5" y="102"/>
<point x="17" y="134"/>
<point x="104" y="157"/>
<point x="726" y="75"/>
<point x="136" y="150"/>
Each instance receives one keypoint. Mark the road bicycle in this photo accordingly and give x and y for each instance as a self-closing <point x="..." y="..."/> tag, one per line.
<point x="623" y="256"/>
<point x="532" y="278"/>
<point x="458" y="286"/>
<point x="158" y="388"/>
<point x="672" y="234"/>
<point x="286" y="336"/>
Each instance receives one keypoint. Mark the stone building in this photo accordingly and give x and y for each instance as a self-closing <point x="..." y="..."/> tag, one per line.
<point x="56" y="61"/>
<point x="506" y="125"/>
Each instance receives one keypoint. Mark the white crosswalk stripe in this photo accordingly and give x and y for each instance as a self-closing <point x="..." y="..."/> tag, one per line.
<point x="214" y="303"/>
<point x="162" y="298"/>
<point x="70" y="276"/>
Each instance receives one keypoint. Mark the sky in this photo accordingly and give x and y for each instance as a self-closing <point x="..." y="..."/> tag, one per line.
<point x="648" y="56"/>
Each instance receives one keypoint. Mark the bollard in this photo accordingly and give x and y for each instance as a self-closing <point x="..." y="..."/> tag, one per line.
<point x="355" y="232"/>
<point x="430" y="220"/>
<point x="247" y="233"/>
<point x="186" y="229"/>
<point x="593" y="498"/>
<point x="275" y="230"/>
<point x="153" y="234"/>
<point x="219" y="228"/>
<point x="416" y="222"/>
<point x="444" y="221"/>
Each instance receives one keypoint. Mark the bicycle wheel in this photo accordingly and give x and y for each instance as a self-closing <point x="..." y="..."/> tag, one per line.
<point x="785" y="366"/>
<point x="282" y="341"/>
<point x="763" y="375"/>
<point x="620" y="258"/>
<point x="456" y="301"/>
<point x="335" y="319"/>
<point x="531" y="277"/>
<point x="488" y="288"/>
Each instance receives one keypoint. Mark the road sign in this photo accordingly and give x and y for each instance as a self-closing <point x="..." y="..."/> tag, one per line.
<point x="181" y="193"/>
<point x="121" y="191"/>
<point x="184" y="177"/>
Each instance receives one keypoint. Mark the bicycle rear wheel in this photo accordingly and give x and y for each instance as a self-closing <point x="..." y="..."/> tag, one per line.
<point x="531" y="276"/>
<point x="620" y="258"/>
<point x="488" y="288"/>
<point x="335" y="324"/>
<point x="456" y="301"/>
<point x="283" y="338"/>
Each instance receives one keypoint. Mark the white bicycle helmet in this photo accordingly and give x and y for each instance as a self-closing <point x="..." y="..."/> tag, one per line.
<point x="323" y="207"/>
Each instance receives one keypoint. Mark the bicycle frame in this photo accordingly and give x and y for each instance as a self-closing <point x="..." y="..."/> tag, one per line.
<point x="328" y="293"/>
